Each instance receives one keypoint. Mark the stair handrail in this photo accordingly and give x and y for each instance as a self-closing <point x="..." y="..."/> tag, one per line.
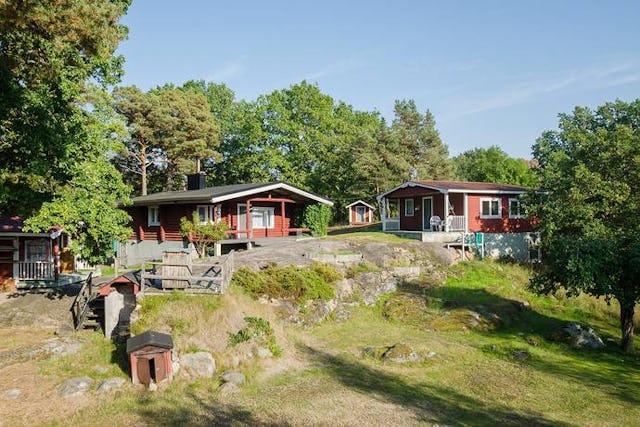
<point x="84" y="297"/>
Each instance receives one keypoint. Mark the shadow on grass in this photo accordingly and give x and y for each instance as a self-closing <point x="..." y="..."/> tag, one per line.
<point x="120" y="357"/>
<point x="608" y="370"/>
<point x="198" y="412"/>
<point x="429" y="403"/>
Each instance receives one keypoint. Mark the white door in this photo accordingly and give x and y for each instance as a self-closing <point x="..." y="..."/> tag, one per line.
<point x="360" y="214"/>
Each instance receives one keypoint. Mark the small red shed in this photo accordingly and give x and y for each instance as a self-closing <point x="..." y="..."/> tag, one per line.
<point x="150" y="357"/>
<point x="360" y="212"/>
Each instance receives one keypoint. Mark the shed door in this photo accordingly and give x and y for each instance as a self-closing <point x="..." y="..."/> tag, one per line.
<point x="360" y="214"/>
<point x="144" y="376"/>
<point x="160" y="371"/>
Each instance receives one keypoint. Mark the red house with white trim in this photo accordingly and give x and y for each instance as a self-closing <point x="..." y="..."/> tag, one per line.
<point x="437" y="209"/>
<point x="460" y="206"/>
<point x="360" y="213"/>
<point x="27" y="256"/>
<point x="271" y="207"/>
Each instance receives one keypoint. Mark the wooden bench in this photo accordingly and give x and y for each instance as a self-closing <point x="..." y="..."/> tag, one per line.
<point x="298" y="231"/>
<point x="217" y="247"/>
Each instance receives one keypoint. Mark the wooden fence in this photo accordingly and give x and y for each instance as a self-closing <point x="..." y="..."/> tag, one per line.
<point x="179" y="273"/>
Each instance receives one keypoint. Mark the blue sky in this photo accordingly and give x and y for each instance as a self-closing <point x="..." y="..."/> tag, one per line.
<point x="492" y="72"/>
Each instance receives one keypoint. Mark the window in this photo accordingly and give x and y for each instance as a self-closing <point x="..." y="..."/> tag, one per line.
<point x="208" y="213"/>
<point x="408" y="207"/>
<point x="490" y="208"/>
<point x="262" y="217"/>
<point x="154" y="215"/>
<point x="514" y="209"/>
<point x="36" y="250"/>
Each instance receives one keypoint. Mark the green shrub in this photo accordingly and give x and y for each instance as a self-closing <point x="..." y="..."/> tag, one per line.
<point x="292" y="282"/>
<point x="259" y="329"/>
<point x="326" y="271"/>
<point x="363" y="267"/>
<point x="317" y="218"/>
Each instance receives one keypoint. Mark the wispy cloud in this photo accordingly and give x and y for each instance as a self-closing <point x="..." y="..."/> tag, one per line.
<point x="519" y="90"/>
<point x="229" y="70"/>
<point x="339" y="67"/>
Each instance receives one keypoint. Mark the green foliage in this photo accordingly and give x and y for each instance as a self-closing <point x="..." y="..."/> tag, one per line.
<point x="88" y="205"/>
<point x="171" y="130"/>
<point x="363" y="267"/>
<point x="48" y="52"/>
<point x="418" y="142"/>
<point x="297" y="283"/>
<point x="326" y="271"/>
<point x="588" y="204"/>
<point x="257" y="329"/>
<point x="317" y="218"/>
<point x="493" y="165"/>
<point x="201" y="234"/>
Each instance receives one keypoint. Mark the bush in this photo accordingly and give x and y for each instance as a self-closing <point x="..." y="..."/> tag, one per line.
<point x="317" y="218"/>
<point x="259" y="329"/>
<point x="297" y="283"/>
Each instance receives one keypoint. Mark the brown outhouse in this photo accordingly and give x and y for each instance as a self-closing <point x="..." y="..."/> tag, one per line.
<point x="150" y="357"/>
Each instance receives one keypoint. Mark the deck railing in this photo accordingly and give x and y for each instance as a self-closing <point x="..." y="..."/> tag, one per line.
<point x="35" y="270"/>
<point x="391" y="224"/>
<point x="456" y="223"/>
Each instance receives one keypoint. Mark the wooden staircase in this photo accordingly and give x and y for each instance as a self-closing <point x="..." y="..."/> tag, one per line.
<point x="87" y="309"/>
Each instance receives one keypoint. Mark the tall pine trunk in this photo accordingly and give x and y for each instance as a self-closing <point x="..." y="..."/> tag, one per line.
<point x="143" y="172"/>
<point x="627" y="327"/>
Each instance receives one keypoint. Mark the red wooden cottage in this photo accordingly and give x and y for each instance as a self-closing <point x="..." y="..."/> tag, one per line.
<point x="451" y="206"/>
<point x="360" y="213"/>
<point x="27" y="256"/>
<point x="271" y="208"/>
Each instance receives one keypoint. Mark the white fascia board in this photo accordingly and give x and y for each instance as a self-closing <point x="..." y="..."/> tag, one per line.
<point x="489" y="191"/>
<point x="268" y="188"/>
<point x="361" y="202"/>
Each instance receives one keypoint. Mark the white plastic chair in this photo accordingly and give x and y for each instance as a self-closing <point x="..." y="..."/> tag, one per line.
<point x="435" y="223"/>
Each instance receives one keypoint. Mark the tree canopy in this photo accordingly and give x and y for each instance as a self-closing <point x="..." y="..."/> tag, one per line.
<point x="493" y="165"/>
<point x="588" y="203"/>
<point x="171" y="130"/>
<point x="55" y="130"/>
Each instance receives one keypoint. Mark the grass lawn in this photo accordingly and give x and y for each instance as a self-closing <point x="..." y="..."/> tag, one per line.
<point x="474" y="378"/>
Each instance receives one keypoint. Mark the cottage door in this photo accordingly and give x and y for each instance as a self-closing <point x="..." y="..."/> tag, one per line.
<point x="360" y="214"/>
<point x="427" y="212"/>
<point x="242" y="220"/>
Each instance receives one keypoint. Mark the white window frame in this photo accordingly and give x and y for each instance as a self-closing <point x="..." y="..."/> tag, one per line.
<point x="153" y="216"/>
<point x="490" y="200"/>
<point x="413" y="207"/>
<point x="271" y="215"/>
<point x="208" y="211"/>
<point x="519" y="209"/>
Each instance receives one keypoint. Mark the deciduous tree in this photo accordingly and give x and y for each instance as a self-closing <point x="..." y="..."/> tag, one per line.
<point x="493" y="165"/>
<point x="588" y="207"/>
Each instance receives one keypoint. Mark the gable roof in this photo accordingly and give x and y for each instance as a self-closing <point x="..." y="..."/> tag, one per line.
<point x="461" y="187"/>
<point x="360" y="202"/>
<point x="153" y="338"/>
<point x="222" y="193"/>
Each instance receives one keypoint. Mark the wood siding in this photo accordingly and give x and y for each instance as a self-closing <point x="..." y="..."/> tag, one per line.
<point x="495" y="225"/>
<point x="169" y="228"/>
<point x="504" y="224"/>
